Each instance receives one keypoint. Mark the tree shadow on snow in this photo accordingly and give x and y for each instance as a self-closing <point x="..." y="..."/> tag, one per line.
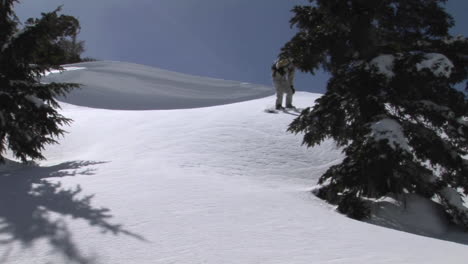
<point x="417" y="215"/>
<point x="31" y="208"/>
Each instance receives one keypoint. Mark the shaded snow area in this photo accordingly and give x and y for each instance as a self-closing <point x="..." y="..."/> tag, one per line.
<point x="389" y="130"/>
<point x="415" y="214"/>
<point x="127" y="86"/>
<point x="453" y="198"/>
<point x="437" y="63"/>
<point x="384" y="65"/>
<point x="220" y="184"/>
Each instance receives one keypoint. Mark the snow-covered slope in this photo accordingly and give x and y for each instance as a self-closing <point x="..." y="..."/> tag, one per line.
<point x="220" y="184"/>
<point x="118" y="85"/>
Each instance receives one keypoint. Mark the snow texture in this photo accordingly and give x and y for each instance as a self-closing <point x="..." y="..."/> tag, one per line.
<point x="384" y="65"/>
<point x="437" y="63"/>
<point x="454" y="199"/>
<point x="69" y="68"/>
<point x="126" y="86"/>
<point x="389" y="129"/>
<point x="410" y="213"/>
<point x="220" y="184"/>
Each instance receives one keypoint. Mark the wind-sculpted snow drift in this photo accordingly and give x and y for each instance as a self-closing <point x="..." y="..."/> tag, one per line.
<point x="221" y="184"/>
<point x="127" y="86"/>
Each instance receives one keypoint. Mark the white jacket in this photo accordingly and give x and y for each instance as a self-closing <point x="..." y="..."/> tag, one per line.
<point x="283" y="76"/>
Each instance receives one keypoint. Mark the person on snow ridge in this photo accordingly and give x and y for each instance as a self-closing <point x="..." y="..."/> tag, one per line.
<point x="283" y="79"/>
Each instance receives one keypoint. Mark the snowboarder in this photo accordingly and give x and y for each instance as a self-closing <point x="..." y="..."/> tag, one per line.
<point x="283" y="79"/>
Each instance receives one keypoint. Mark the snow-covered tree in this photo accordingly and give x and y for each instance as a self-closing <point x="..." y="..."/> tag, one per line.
<point x="390" y="103"/>
<point x="28" y="108"/>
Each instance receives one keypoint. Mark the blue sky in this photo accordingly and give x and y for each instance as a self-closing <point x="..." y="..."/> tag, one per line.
<point x="226" y="39"/>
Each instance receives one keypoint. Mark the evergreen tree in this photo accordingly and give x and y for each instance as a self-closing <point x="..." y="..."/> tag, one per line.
<point x="390" y="102"/>
<point x="64" y="49"/>
<point x="28" y="108"/>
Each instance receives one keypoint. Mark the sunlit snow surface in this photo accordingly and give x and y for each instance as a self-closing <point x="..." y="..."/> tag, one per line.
<point x="219" y="184"/>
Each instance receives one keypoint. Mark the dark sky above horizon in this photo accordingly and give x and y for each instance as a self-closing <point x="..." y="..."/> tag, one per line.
<point x="225" y="39"/>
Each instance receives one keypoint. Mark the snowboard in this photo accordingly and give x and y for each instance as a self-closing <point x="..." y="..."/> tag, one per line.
<point x="273" y="110"/>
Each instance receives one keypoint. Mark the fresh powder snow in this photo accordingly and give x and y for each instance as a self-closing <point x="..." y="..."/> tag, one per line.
<point x="202" y="176"/>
